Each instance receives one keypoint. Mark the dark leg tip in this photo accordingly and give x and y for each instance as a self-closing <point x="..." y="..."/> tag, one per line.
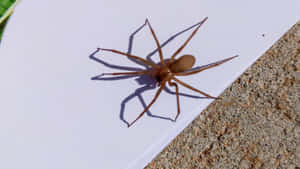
<point x="129" y="125"/>
<point x="235" y="56"/>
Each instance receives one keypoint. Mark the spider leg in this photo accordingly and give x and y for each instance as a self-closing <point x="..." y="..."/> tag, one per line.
<point x="192" y="88"/>
<point x="204" y="68"/>
<point x="169" y="40"/>
<point x="157" y="43"/>
<point x="150" y="104"/>
<point x="177" y="97"/>
<point x="131" y="56"/>
<point x="94" y="58"/>
<point x="187" y="41"/>
<point x="128" y="73"/>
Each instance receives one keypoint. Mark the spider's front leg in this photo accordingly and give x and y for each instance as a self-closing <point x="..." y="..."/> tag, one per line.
<point x="157" y="43"/>
<point x="187" y="41"/>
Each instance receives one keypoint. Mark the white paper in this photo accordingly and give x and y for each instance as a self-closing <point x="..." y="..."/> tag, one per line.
<point x="52" y="115"/>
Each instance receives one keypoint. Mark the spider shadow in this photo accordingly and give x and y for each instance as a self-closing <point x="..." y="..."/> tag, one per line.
<point x="145" y="80"/>
<point x="148" y="84"/>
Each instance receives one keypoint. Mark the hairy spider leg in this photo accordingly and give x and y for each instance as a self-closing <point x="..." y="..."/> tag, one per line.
<point x="131" y="56"/>
<point x="157" y="43"/>
<point x="192" y="88"/>
<point x="187" y="41"/>
<point x="204" y="68"/>
<point x="177" y="97"/>
<point x="151" y="103"/>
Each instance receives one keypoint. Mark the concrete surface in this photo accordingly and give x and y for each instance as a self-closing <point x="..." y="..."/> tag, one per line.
<point x="256" y="124"/>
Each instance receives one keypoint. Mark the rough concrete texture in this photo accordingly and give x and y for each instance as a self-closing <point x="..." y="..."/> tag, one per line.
<point x="256" y="124"/>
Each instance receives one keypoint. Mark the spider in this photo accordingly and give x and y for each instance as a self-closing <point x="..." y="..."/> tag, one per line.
<point x="165" y="71"/>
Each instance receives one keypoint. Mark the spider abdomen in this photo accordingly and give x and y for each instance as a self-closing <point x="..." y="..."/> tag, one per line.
<point x="182" y="64"/>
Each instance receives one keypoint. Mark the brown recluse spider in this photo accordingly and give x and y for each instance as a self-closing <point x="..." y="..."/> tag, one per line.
<point x="164" y="72"/>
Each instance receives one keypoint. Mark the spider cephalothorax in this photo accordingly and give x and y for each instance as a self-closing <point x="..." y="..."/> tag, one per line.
<point x="166" y="71"/>
<point x="181" y="64"/>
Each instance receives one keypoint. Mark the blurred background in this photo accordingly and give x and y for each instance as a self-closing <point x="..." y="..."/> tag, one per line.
<point x="6" y="8"/>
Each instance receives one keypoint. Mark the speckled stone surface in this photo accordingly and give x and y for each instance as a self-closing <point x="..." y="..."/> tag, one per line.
<point x="256" y="124"/>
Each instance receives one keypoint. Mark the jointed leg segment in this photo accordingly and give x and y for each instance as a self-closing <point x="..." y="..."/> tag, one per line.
<point x="131" y="56"/>
<point x="177" y="98"/>
<point x="192" y="88"/>
<point x="204" y="68"/>
<point x="187" y="41"/>
<point x="157" y="43"/>
<point x="128" y="73"/>
<point x="150" y="104"/>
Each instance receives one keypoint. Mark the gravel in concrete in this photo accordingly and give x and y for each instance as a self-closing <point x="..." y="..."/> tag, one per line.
<point x="256" y="124"/>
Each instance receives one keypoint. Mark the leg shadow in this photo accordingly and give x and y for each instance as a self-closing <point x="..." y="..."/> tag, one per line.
<point x="150" y="84"/>
<point x="130" y="43"/>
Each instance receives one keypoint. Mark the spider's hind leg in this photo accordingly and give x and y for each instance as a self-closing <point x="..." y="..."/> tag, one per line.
<point x="151" y="103"/>
<point x="177" y="98"/>
<point x="194" y="89"/>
